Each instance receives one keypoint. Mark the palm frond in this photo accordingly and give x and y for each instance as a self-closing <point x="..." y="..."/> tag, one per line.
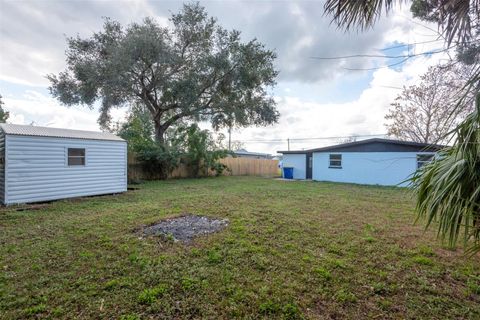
<point x="456" y="18"/>
<point x="357" y="13"/>
<point x="448" y="189"/>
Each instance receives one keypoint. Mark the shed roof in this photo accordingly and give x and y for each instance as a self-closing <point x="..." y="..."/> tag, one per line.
<point x="374" y="145"/>
<point x="25" y="130"/>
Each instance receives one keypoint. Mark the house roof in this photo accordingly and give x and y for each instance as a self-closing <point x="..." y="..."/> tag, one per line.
<point x="374" y="145"/>
<point x="245" y="152"/>
<point x="23" y="130"/>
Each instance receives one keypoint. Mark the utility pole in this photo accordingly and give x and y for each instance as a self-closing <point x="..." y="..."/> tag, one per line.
<point x="288" y="142"/>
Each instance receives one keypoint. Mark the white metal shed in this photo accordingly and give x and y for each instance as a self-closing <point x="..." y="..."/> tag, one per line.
<point x="42" y="164"/>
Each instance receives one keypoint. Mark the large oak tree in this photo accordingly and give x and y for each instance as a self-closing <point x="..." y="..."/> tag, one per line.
<point x="193" y="70"/>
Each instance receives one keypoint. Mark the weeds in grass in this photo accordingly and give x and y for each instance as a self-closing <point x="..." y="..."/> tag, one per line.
<point x="291" y="311"/>
<point x="337" y="263"/>
<point x="379" y="288"/>
<point x="323" y="273"/>
<point x="214" y="257"/>
<point x="422" y="260"/>
<point x="189" y="284"/>
<point x="345" y="296"/>
<point x="34" y="310"/>
<point x="130" y="317"/>
<point x="307" y="258"/>
<point x="86" y="255"/>
<point x="426" y="251"/>
<point x="269" y="308"/>
<point x="385" y="304"/>
<point x="474" y="285"/>
<point x="149" y="296"/>
<point x="112" y="284"/>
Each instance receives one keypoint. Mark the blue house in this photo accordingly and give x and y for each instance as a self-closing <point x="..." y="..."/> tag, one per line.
<point x="373" y="161"/>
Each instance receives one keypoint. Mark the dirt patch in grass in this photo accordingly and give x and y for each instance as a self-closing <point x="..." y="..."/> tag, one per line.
<point x="185" y="228"/>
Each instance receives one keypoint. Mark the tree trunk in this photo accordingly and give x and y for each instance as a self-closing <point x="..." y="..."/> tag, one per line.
<point x="159" y="133"/>
<point x="163" y="168"/>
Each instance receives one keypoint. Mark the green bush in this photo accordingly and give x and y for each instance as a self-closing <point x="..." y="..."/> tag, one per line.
<point x="200" y="152"/>
<point x="158" y="161"/>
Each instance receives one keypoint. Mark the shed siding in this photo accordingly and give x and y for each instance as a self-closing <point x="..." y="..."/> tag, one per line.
<point x="38" y="170"/>
<point x="298" y="162"/>
<point x="2" y="167"/>
<point x="377" y="168"/>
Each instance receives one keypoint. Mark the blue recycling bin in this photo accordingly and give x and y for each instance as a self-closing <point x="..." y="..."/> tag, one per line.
<point x="287" y="172"/>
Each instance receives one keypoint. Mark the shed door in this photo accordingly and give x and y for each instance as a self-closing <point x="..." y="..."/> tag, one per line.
<point x="309" y="165"/>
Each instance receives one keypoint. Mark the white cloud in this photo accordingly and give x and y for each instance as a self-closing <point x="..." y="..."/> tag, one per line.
<point x="34" y="107"/>
<point x="33" y="33"/>
<point x="363" y="116"/>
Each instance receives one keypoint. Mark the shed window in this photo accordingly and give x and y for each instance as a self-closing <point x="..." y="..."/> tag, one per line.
<point x="335" y="161"/>
<point x="423" y="159"/>
<point x="76" y="157"/>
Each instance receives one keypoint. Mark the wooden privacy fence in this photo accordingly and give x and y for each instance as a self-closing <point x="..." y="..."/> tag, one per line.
<point x="251" y="167"/>
<point x="237" y="166"/>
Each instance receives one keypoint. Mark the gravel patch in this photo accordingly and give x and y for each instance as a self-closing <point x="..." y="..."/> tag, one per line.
<point x="185" y="228"/>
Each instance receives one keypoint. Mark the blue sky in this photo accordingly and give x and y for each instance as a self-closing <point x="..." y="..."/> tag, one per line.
<point x="316" y="98"/>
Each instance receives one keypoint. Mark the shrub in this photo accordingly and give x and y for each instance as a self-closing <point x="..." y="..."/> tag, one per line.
<point x="158" y="161"/>
<point x="200" y="151"/>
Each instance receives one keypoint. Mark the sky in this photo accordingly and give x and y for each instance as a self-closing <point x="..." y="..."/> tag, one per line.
<point x="319" y="100"/>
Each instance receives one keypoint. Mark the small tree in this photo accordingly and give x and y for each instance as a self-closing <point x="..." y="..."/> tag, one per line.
<point x="4" y="115"/>
<point x="427" y="112"/>
<point x="157" y="160"/>
<point x="200" y="151"/>
<point x="195" y="70"/>
<point x="138" y="129"/>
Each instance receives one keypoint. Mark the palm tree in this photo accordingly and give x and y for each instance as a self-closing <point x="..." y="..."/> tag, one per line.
<point x="447" y="189"/>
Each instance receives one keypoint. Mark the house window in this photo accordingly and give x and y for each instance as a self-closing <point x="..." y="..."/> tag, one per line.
<point x="76" y="157"/>
<point x="423" y="159"/>
<point x="335" y="161"/>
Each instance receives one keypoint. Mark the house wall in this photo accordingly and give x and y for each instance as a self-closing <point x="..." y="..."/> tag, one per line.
<point x="298" y="162"/>
<point x="382" y="168"/>
<point x="37" y="168"/>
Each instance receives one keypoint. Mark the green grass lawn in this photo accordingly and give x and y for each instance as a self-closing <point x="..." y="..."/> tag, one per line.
<point x="292" y="250"/>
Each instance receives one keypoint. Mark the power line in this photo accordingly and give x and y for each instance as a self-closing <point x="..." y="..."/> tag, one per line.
<point x="376" y="68"/>
<point x="382" y="56"/>
<point x="314" y="138"/>
<point x="399" y="62"/>
<point x="409" y="44"/>
<point x="388" y="87"/>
